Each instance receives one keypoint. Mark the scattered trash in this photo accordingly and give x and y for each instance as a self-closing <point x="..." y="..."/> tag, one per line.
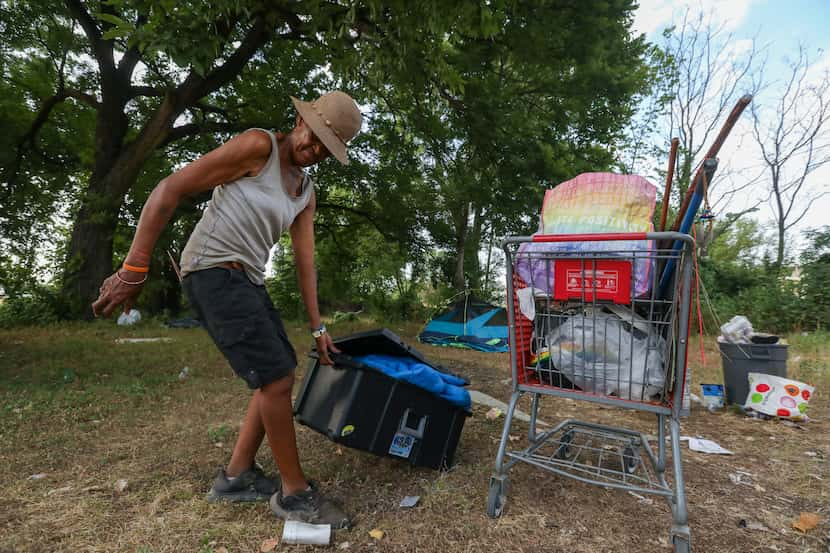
<point x="712" y="396"/>
<point x="489" y="401"/>
<point x="642" y="498"/>
<point x="269" y="545"/>
<point x="344" y="545"/>
<point x="129" y="319"/>
<point x="737" y="330"/>
<point x="791" y="424"/>
<point x="752" y="525"/>
<point x="512" y="438"/>
<point x="183" y="373"/>
<point x="141" y="340"/>
<point x="754" y="415"/>
<point x="377" y="533"/>
<point x="764" y="339"/>
<point x="38" y="476"/>
<point x="295" y="532"/>
<point x="493" y="413"/>
<point x="220" y="445"/>
<point x="120" y="485"/>
<point x="58" y="490"/>
<point x="811" y="454"/>
<point x="806" y="522"/>
<point x="695" y="398"/>
<point x="707" y="446"/>
<point x="410" y="501"/>
<point x="740" y="477"/>
<point x="777" y="396"/>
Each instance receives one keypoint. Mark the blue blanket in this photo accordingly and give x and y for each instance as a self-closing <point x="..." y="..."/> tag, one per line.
<point x="443" y="385"/>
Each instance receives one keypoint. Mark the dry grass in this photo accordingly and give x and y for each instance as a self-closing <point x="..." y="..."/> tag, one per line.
<point x="87" y="412"/>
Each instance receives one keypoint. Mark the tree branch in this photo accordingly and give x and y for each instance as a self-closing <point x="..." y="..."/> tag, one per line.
<point x="150" y="91"/>
<point x="195" y="87"/>
<point x="132" y="56"/>
<point x="194" y="129"/>
<point x="208" y="108"/>
<point x="12" y="171"/>
<point x="368" y="217"/>
<point x="102" y="51"/>
<point x="82" y="96"/>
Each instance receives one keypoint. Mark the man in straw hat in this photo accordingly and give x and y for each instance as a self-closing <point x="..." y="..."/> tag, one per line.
<point x="260" y="190"/>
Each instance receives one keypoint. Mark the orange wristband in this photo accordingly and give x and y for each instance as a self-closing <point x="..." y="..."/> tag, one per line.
<point x="136" y="269"/>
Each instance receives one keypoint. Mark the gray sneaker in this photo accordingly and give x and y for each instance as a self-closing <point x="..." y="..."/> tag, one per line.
<point x="250" y="485"/>
<point x="309" y="506"/>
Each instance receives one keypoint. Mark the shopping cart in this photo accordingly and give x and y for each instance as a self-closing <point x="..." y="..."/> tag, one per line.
<point x="590" y="320"/>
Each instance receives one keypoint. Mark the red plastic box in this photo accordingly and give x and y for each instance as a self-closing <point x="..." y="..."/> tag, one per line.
<point x="608" y="279"/>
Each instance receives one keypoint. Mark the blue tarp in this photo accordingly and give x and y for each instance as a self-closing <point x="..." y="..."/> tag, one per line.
<point x="443" y="385"/>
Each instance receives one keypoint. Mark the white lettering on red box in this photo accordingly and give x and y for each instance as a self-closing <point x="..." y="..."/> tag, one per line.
<point x="581" y="281"/>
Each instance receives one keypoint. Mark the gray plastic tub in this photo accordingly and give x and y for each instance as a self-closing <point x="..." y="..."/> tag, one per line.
<point x="741" y="359"/>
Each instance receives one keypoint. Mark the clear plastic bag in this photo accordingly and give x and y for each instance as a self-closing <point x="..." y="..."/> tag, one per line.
<point x="738" y="330"/>
<point x="598" y="354"/>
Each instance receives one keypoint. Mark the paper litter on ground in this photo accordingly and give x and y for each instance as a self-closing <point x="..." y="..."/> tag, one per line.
<point x="410" y="501"/>
<point x="702" y="445"/>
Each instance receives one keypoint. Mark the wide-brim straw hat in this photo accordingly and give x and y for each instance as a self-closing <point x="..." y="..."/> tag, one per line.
<point x="334" y="118"/>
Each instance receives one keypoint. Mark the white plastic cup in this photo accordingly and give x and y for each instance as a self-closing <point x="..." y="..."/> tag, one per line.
<point x="295" y="532"/>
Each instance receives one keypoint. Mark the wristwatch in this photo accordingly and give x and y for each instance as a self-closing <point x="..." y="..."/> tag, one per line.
<point x="317" y="332"/>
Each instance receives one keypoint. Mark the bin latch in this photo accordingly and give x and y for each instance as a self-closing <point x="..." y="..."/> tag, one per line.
<point x="412" y="425"/>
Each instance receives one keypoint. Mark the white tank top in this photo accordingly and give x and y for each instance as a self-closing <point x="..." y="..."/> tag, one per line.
<point x="244" y="219"/>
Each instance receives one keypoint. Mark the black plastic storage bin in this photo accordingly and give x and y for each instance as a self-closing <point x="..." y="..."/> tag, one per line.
<point x="365" y="409"/>
<point x="741" y="359"/>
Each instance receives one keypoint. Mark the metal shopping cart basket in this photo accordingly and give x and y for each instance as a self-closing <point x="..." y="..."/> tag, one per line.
<point x="602" y="318"/>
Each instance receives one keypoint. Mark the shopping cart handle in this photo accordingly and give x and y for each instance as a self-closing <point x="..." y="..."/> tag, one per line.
<point x="600" y="237"/>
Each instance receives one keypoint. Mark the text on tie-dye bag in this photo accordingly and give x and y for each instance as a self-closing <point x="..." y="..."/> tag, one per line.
<point x="593" y="203"/>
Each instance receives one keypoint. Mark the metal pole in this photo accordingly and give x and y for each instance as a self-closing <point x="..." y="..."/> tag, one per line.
<point x="675" y="142"/>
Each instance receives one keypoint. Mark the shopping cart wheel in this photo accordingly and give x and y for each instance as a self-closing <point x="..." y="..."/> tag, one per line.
<point x="681" y="545"/>
<point x="630" y="459"/>
<point x="564" y="449"/>
<point x="496" y="497"/>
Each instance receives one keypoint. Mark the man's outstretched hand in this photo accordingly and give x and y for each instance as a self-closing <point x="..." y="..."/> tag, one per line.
<point x="122" y="287"/>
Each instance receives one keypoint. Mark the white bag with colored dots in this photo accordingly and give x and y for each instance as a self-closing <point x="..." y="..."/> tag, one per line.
<point x="777" y="396"/>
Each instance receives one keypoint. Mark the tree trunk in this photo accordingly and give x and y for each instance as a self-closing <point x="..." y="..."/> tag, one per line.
<point x="89" y="258"/>
<point x="779" y="258"/>
<point x="472" y="248"/>
<point x="458" y="280"/>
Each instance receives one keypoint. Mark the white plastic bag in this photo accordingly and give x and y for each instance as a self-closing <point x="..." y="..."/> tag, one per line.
<point x="737" y="331"/>
<point x="128" y="319"/>
<point x="597" y="354"/>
